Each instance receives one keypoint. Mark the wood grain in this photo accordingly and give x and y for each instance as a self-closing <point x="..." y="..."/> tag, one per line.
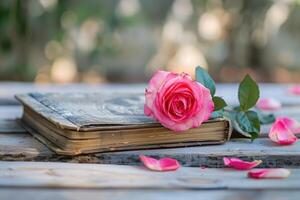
<point x="145" y="194"/>
<point x="211" y="156"/>
<point x="62" y="181"/>
<point x="20" y="147"/>
<point x="10" y="112"/>
<point x="70" y="175"/>
<point x="11" y="126"/>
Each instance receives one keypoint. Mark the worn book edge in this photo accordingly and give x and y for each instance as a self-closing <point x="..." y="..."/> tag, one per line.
<point x="73" y="152"/>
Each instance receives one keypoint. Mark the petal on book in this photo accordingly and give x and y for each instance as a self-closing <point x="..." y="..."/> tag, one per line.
<point x="240" y="164"/>
<point x="164" y="164"/>
<point x="281" y="134"/>
<point x="268" y="173"/>
<point x="268" y="104"/>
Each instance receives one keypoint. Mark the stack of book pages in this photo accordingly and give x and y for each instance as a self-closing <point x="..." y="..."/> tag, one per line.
<point x="79" y="123"/>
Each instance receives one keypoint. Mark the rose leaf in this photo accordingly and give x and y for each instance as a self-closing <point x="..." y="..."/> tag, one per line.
<point x="205" y="79"/>
<point x="248" y="93"/>
<point x="219" y="103"/>
<point x="249" y="122"/>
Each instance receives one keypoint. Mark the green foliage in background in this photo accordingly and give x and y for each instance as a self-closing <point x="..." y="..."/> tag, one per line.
<point x="27" y="27"/>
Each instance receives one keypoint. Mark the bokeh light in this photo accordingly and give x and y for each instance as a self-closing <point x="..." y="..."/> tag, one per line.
<point x="92" y="41"/>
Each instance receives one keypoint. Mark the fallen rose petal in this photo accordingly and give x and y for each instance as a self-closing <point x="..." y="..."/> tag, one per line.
<point x="268" y="173"/>
<point x="240" y="164"/>
<point x="268" y="104"/>
<point x="281" y="134"/>
<point x="295" y="90"/>
<point x="292" y="124"/>
<point x="164" y="164"/>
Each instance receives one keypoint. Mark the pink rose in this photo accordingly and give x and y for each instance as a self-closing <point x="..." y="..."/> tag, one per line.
<point x="177" y="102"/>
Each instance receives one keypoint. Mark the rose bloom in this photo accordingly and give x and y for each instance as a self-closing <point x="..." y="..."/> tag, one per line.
<point x="177" y="102"/>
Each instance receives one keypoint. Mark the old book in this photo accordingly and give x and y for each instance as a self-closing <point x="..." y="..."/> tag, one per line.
<point x="79" y="123"/>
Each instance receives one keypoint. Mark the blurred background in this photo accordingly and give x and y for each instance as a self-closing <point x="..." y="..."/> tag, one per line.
<point x="96" y="41"/>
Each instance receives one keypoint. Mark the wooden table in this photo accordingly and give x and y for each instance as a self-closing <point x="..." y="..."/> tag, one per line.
<point x="38" y="173"/>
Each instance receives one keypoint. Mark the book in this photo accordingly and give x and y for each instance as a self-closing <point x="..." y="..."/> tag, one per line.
<point x="80" y="123"/>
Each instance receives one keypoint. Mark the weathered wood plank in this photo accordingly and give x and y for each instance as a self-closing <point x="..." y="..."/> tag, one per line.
<point x="70" y="175"/>
<point x="292" y="111"/>
<point x="11" y="126"/>
<point x="20" y="147"/>
<point x="211" y="156"/>
<point x="145" y="194"/>
<point x="9" y="112"/>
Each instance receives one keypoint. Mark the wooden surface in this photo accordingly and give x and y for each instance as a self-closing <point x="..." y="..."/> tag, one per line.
<point x="41" y="180"/>
<point x="70" y="175"/>
<point x="22" y="147"/>
<point x="61" y="180"/>
<point x="145" y="194"/>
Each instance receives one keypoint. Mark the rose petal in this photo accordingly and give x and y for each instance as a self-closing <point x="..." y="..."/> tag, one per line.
<point x="164" y="164"/>
<point x="281" y="134"/>
<point x="295" y="90"/>
<point x="177" y="102"/>
<point x="147" y="110"/>
<point x="268" y="104"/>
<point x="268" y="173"/>
<point x="158" y="79"/>
<point x="292" y="124"/>
<point x="240" y="164"/>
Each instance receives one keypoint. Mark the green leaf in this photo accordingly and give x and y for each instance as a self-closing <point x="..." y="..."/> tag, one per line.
<point x="205" y="79"/>
<point x="230" y="115"/>
<point x="237" y="108"/>
<point x="254" y="136"/>
<point x="217" y="114"/>
<point x="265" y="118"/>
<point x="248" y="93"/>
<point x="219" y="103"/>
<point x="249" y="122"/>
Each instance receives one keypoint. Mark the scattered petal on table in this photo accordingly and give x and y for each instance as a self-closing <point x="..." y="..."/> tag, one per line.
<point x="269" y="173"/>
<point x="164" y="164"/>
<point x="292" y="124"/>
<point x="295" y="90"/>
<point x="240" y="164"/>
<point x="281" y="134"/>
<point x="268" y="104"/>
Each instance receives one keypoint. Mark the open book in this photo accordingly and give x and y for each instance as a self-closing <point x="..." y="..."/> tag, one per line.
<point x="77" y="123"/>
